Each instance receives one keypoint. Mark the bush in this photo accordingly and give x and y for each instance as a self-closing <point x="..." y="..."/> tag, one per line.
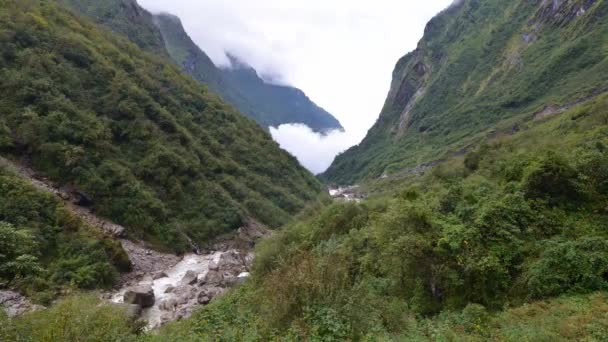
<point x="79" y="318"/>
<point x="569" y="266"/>
<point x="552" y="179"/>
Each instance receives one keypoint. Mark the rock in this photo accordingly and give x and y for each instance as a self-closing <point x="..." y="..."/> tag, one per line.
<point x="168" y="305"/>
<point x="189" y="278"/>
<point x="169" y="289"/>
<point x="16" y="304"/>
<point x="114" y="230"/>
<point x="212" y="292"/>
<point x="212" y="277"/>
<point x="230" y="260"/>
<point x="203" y="299"/>
<point x="243" y="277"/>
<point x="213" y="266"/>
<point x="142" y="295"/>
<point x="159" y="275"/>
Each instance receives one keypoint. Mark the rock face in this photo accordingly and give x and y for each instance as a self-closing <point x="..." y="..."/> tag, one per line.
<point x="142" y="295"/>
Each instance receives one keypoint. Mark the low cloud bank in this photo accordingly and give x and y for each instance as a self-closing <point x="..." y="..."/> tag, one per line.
<point x="315" y="151"/>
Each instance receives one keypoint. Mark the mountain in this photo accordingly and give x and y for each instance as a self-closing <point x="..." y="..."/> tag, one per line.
<point x="150" y="148"/>
<point x="277" y="104"/>
<point x="482" y="67"/>
<point x="124" y="17"/>
<point x="164" y="35"/>
<point x="240" y="85"/>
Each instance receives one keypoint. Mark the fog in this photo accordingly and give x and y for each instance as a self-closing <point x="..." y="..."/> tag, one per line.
<point x="314" y="151"/>
<point x="341" y="53"/>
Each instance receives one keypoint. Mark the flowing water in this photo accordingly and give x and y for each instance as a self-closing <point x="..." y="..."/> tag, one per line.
<point x="198" y="264"/>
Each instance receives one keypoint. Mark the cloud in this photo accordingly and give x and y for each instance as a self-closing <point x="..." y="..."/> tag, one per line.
<point x="314" y="151"/>
<point x="341" y="53"/>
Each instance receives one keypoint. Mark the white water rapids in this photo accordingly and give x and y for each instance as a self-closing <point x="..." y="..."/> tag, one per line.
<point x="199" y="264"/>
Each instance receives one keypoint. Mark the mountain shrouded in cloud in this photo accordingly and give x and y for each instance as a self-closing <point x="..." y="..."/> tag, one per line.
<point x="268" y="103"/>
<point x="340" y="52"/>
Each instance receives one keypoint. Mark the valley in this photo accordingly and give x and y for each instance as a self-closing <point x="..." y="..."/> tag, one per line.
<point x="142" y="199"/>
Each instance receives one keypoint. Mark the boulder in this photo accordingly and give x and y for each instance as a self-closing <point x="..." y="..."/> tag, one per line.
<point x="142" y="295"/>
<point x="212" y="292"/>
<point x="203" y="299"/>
<point x="169" y="289"/>
<point x="212" y="277"/>
<point x="213" y="266"/>
<point x="168" y="305"/>
<point x="189" y="278"/>
<point x="159" y="275"/>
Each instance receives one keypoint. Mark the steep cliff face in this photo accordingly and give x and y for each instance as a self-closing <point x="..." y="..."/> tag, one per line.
<point x="481" y="66"/>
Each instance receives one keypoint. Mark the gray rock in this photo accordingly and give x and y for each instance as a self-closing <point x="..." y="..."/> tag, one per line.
<point x="169" y="289"/>
<point x="159" y="275"/>
<point x="213" y="266"/>
<point x="203" y="299"/>
<point x="168" y="305"/>
<point x="189" y="278"/>
<point x="142" y="295"/>
<point x="212" y="277"/>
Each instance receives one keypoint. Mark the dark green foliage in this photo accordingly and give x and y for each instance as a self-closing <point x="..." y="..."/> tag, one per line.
<point x="163" y="34"/>
<point x="570" y="266"/>
<point x="43" y="247"/>
<point x="154" y="150"/>
<point x="482" y="69"/>
<point x="443" y="253"/>
<point x="124" y="17"/>
<point x="79" y="318"/>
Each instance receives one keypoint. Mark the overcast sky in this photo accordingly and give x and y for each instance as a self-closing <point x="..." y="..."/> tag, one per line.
<point x="341" y="53"/>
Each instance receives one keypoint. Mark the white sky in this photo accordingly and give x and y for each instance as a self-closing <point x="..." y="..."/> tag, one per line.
<point x="341" y="53"/>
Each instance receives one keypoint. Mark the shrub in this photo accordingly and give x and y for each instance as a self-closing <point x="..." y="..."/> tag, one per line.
<point x="569" y="266"/>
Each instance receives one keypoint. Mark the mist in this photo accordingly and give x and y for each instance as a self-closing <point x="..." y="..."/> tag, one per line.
<point x="314" y="151"/>
<point x="341" y="53"/>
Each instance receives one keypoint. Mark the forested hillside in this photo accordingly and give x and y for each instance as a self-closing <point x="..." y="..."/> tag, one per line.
<point x="154" y="150"/>
<point x="482" y="66"/>
<point x="163" y="34"/>
<point x="486" y="215"/>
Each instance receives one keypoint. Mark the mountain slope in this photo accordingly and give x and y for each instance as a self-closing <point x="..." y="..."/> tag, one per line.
<point x="124" y="17"/>
<point x="163" y="34"/>
<point x="269" y="105"/>
<point x="481" y="66"/>
<point x="275" y="103"/>
<point x="151" y="148"/>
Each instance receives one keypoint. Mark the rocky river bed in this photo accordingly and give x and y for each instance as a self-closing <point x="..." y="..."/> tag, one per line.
<point x="176" y="292"/>
<point x="163" y="287"/>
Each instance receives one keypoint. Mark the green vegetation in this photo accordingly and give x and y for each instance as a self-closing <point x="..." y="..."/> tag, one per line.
<point x="77" y="319"/>
<point x="123" y="17"/>
<point x="154" y="150"/>
<point x="164" y="35"/>
<point x="520" y="219"/>
<point x="481" y="66"/>
<point x="44" y="249"/>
